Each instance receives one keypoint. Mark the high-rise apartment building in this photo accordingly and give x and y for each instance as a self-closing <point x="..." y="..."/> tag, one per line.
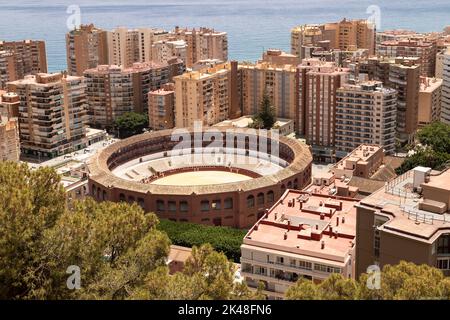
<point x="346" y="35"/>
<point x="203" y="44"/>
<point x="30" y="56"/>
<point x="429" y="100"/>
<point x="405" y="220"/>
<point x="317" y="84"/>
<point x="164" y="50"/>
<point x="8" y="68"/>
<point x="277" y="81"/>
<point x="127" y="46"/>
<point x="365" y="114"/>
<point x="9" y="139"/>
<point x="210" y="95"/>
<point x="113" y="90"/>
<point x="404" y="77"/>
<point x="304" y="235"/>
<point x="52" y="113"/>
<point x="161" y="105"/>
<point x="86" y="48"/>
<point x="425" y="51"/>
<point x="445" y="107"/>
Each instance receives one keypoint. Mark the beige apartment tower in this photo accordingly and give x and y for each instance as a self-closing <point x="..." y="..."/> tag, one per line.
<point x="52" y="114"/>
<point x="209" y="95"/>
<point x="425" y="51"/>
<point x="203" y="44"/>
<point x="114" y="90"/>
<point x="276" y="80"/>
<point x="21" y="58"/>
<point x="429" y="100"/>
<point x="161" y="105"/>
<point x="445" y="108"/>
<point x="318" y="82"/>
<point x="9" y="139"/>
<point x="365" y="114"/>
<point x="345" y="35"/>
<point x="86" y="48"/>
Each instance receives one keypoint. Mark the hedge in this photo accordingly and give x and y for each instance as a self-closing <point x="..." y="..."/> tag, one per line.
<point x="223" y="239"/>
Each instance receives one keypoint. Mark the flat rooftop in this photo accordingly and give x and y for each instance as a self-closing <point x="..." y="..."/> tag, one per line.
<point x="309" y="224"/>
<point x="401" y="204"/>
<point x="361" y="154"/>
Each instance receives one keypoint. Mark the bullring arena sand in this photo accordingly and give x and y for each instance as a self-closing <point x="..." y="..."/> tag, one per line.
<point x="198" y="178"/>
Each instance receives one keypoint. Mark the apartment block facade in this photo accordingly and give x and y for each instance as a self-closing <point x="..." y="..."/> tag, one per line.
<point x="203" y="43"/>
<point x="161" y="107"/>
<point x="304" y="235"/>
<point x="318" y="83"/>
<point x="115" y="90"/>
<point x="345" y="35"/>
<point x="210" y="95"/>
<point x="429" y="100"/>
<point x="365" y="114"/>
<point x="9" y="139"/>
<point x="276" y="80"/>
<point x="21" y="58"/>
<point x="425" y="51"/>
<point x="86" y="48"/>
<point x="52" y="114"/>
<point x="406" y="220"/>
<point x="445" y="108"/>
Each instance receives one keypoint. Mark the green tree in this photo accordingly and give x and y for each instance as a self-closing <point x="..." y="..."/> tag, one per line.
<point x="265" y="118"/>
<point x="303" y="289"/>
<point x="437" y="136"/>
<point x="404" y="281"/>
<point x="208" y="275"/>
<point x="131" y="123"/>
<point x="30" y="203"/>
<point x="424" y="157"/>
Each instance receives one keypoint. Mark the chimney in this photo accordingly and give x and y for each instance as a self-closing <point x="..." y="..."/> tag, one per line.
<point x="256" y="227"/>
<point x="343" y="219"/>
<point x="317" y="227"/>
<point x="285" y="235"/>
<point x="301" y="205"/>
<point x="331" y="231"/>
<point x="322" y="244"/>
<point x="276" y="216"/>
<point x="322" y="216"/>
<point x="337" y="221"/>
<point x="289" y="225"/>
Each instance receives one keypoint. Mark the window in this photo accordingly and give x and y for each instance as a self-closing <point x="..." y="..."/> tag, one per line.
<point x="250" y="201"/>
<point x="305" y="265"/>
<point x="327" y="269"/>
<point x="228" y="203"/>
<point x="260" y="198"/>
<point x="270" y="196"/>
<point x="204" y="205"/>
<point x="131" y="199"/>
<point x="216" y="204"/>
<point x="280" y="260"/>
<point x="141" y="203"/>
<point x="122" y="197"/>
<point x="172" y="206"/>
<point x="443" y="244"/>
<point x="443" y="264"/>
<point x="184" y="206"/>
<point x="160" y="205"/>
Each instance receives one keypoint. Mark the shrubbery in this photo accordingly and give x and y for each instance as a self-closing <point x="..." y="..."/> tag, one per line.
<point x="223" y="239"/>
